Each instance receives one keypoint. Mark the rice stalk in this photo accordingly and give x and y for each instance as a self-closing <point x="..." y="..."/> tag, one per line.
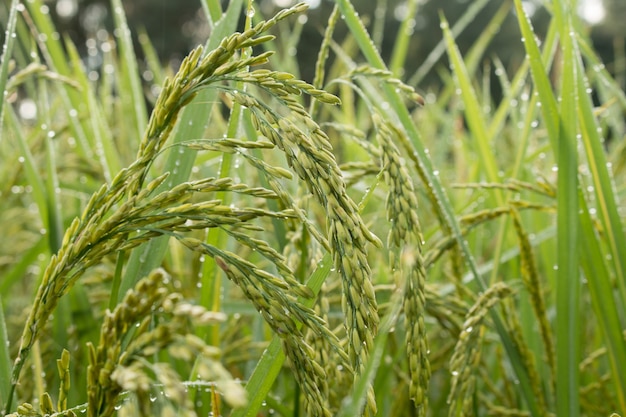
<point x="308" y="153"/>
<point x="405" y="243"/>
<point x="466" y="355"/>
<point x="527" y="357"/>
<point x="98" y="233"/>
<point x="118" y="364"/>
<point x="530" y="277"/>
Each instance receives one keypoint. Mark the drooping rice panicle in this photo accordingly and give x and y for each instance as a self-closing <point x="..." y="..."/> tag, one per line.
<point x="466" y="356"/>
<point x="309" y="154"/>
<point x="405" y="243"/>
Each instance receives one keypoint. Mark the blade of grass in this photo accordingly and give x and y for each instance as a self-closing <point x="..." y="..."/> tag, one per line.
<point x="505" y="109"/>
<point x="56" y="59"/>
<point x="543" y="87"/>
<point x="401" y="45"/>
<point x="473" y="111"/>
<point x="33" y="177"/>
<point x="152" y="59"/>
<point x="212" y="10"/>
<point x="568" y="281"/>
<point x="19" y="267"/>
<point x="102" y="141"/>
<point x="561" y="127"/>
<point x="594" y="265"/>
<point x="605" y="197"/>
<point x="600" y="71"/>
<point x="7" y="50"/>
<point x="54" y="217"/>
<point x="5" y="362"/>
<point x="433" y="58"/>
<point x="130" y="70"/>
<point x="519" y="81"/>
<point x="613" y="232"/>
<point x="476" y="52"/>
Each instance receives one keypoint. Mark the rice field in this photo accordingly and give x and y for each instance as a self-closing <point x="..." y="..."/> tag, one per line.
<point x="226" y="239"/>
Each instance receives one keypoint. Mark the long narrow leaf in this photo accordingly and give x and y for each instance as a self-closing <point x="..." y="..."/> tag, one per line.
<point x="401" y="45"/>
<point x="603" y="302"/>
<point x="568" y="280"/>
<point x="131" y="70"/>
<point x="5" y="362"/>
<point x="599" y="279"/>
<point x="7" y="49"/>
<point x="473" y="111"/>
<point x="56" y="59"/>
<point x="606" y="200"/>
<point x="539" y="72"/>
<point x="468" y="17"/>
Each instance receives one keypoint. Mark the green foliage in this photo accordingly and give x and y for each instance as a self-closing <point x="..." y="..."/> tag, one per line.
<point x="224" y="253"/>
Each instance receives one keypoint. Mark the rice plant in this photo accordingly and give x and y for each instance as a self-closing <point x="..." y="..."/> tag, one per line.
<point x="228" y="239"/>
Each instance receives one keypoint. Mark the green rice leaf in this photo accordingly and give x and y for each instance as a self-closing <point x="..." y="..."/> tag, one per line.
<point x="473" y="111"/>
<point x="603" y="302"/>
<point x="568" y="277"/>
<point x="7" y="50"/>
<point x="5" y="362"/>
<point x="130" y="72"/>
<point x="433" y="58"/>
<point x="401" y="45"/>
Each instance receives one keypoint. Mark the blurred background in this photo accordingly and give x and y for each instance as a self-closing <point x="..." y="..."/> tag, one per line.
<point x="174" y="27"/>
